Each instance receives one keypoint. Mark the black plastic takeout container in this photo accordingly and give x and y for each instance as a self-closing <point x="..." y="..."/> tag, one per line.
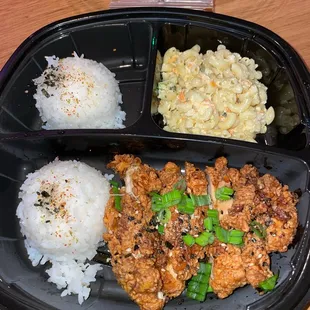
<point x="126" y="41"/>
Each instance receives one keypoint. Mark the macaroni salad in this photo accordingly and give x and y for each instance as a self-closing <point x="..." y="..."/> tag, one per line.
<point x="216" y="94"/>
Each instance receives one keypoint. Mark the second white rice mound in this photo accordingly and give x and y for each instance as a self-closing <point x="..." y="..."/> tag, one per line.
<point x="61" y="211"/>
<point x="75" y="92"/>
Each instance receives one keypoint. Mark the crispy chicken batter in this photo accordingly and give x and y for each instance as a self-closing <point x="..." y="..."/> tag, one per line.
<point x="153" y="268"/>
<point x="256" y="260"/>
<point x="228" y="272"/>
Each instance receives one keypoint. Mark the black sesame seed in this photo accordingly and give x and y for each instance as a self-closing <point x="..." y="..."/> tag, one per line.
<point x="169" y="245"/>
<point x="181" y="302"/>
<point x="45" y="194"/>
<point x="136" y="247"/>
<point x="153" y="221"/>
<point x="130" y="218"/>
<point x="48" y="221"/>
<point x="150" y="230"/>
<point x="45" y="93"/>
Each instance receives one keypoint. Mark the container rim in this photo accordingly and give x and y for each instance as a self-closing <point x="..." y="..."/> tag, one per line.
<point x="302" y="71"/>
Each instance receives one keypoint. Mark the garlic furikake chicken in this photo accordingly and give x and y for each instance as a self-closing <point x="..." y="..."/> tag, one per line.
<point x="213" y="227"/>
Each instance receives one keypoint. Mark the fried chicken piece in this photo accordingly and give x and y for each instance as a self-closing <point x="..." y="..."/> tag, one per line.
<point x="239" y="215"/>
<point x="132" y="246"/>
<point x="180" y="263"/>
<point x="196" y="180"/>
<point x="140" y="179"/>
<point x="256" y="260"/>
<point x="216" y="248"/>
<point x="140" y="280"/>
<point x="282" y="211"/>
<point x="122" y="163"/>
<point x="228" y="272"/>
<point x="169" y="176"/>
<point x="216" y="177"/>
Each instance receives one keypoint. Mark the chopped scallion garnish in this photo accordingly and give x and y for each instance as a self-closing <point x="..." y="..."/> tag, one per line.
<point x="214" y="214"/>
<point x="235" y="237"/>
<point x="164" y="216"/>
<point x="236" y="233"/>
<point x="221" y="234"/>
<point x="200" y="200"/>
<point x="269" y="284"/>
<point x="210" y="289"/>
<point x="235" y="240"/>
<point x="195" y="296"/>
<point x="156" y="202"/>
<point x="161" y="229"/>
<point x="180" y="185"/>
<point x="189" y="240"/>
<point x="171" y="198"/>
<point x="117" y="198"/>
<point x="258" y="229"/>
<point x="205" y="238"/>
<point x="186" y="205"/>
<point x="224" y="193"/>
<point x="208" y="223"/>
<point x="198" y="285"/>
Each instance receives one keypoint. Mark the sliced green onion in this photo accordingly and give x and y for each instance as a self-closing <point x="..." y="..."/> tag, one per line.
<point x="161" y="229"/>
<point x="201" y="278"/>
<point x="186" y="205"/>
<point x="235" y="240"/>
<point x="208" y="223"/>
<point x="171" y="199"/>
<point x="156" y="206"/>
<point x="221" y="234"/>
<point x="198" y="285"/>
<point x="164" y="216"/>
<point x="193" y="286"/>
<point x="180" y="185"/>
<point x="202" y="289"/>
<point x="156" y="202"/>
<point x="214" y="214"/>
<point x="114" y="183"/>
<point x="195" y="296"/>
<point x="201" y="200"/>
<point x="189" y="240"/>
<point x="203" y="268"/>
<point x="205" y="238"/>
<point x="117" y="199"/>
<point x="258" y="229"/>
<point x="224" y="193"/>
<point x="236" y="233"/>
<point x="269" y="284"/>
<point x="209" y="289"/>
<point x="236" y="237"/>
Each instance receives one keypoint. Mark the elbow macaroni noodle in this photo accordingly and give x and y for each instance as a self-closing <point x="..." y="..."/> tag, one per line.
<point x="215" y="94"/>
